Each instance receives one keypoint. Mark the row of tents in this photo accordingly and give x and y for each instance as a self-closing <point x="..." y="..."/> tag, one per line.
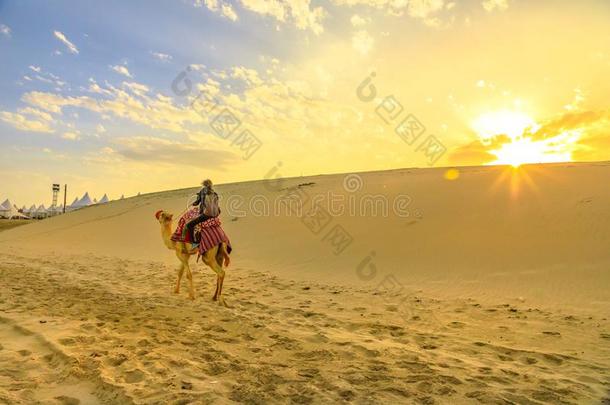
<point x="11" y="211"/>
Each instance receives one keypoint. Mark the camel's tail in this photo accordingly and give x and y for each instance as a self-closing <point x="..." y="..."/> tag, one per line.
<point x="224" y="255"/>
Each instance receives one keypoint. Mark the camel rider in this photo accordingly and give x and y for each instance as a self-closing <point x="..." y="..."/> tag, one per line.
<point x="207" y="199"/>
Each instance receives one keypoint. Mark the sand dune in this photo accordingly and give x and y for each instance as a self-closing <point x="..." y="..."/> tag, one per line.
<point x="494" y="289"/>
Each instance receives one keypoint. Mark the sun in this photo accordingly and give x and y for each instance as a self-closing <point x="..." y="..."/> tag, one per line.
<point x="502" y="122"/>
<point x="525" y="150"/>
<point x="509" y="135"/>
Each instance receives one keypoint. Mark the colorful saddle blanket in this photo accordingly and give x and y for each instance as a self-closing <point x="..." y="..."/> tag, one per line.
<point x="208" y="234"/>
<point x="189" y="215"/>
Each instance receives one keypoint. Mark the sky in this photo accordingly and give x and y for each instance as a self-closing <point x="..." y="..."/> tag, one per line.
<point x="132" y="97"/>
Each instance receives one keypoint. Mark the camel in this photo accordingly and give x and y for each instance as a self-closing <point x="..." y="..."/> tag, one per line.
<point x="215" y="258"/>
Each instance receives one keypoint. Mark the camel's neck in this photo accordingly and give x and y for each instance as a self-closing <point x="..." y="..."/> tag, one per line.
<point x="166" y="234"/>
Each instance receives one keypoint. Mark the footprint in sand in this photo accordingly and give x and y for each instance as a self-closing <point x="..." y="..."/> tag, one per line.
<point x="66" y="400"/>
<point x="134" y="376"/>
<point x="45" y="365"/>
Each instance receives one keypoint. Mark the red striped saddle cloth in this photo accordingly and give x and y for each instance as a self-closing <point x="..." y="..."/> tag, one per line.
<point x="208" y="234"/>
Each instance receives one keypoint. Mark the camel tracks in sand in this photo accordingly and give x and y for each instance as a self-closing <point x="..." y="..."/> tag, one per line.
<point x="109" y="330"/>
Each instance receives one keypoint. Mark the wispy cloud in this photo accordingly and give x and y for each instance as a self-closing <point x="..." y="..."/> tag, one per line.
<point x="45" y="77"/>
<point x="433" y="13"/>
<point x="22" y="123"/>
<point x="161" y="56"/>
<point x="71" y="136"/>
<point x="299" y="13"/>
<point x="358" y="21"/>
<point x="224" y="9"/>
<point x="5" y="30"/>
<point x="158" y="150"/>
<point x="37" y="113"/>
<point x="71" y="47"/>
<point x="569" y="122"/>
<point x="122" y="70"/>
<point x="491" y="5"/>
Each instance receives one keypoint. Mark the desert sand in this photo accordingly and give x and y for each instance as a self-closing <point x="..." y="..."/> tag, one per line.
<point x="489" y="288"/>
<point x="6" y="224"/>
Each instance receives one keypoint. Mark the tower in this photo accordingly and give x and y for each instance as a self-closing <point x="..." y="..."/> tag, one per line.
<point x="55" y="194"/>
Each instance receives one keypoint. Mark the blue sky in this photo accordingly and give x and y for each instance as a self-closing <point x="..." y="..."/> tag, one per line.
<point x="86" y="88"/>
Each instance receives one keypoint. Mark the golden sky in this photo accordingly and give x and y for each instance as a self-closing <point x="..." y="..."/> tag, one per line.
<point x="107" y="105"/>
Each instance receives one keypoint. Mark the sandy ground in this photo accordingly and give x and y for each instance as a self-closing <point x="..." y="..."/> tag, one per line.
<point x="6" y="224"/>
<point x="483" y="294"/>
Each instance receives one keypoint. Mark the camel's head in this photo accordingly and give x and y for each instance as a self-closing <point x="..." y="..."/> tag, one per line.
<point x="163" y="217"/>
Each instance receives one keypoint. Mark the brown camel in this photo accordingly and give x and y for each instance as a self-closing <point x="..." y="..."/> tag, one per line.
<point x="215" y="258"/>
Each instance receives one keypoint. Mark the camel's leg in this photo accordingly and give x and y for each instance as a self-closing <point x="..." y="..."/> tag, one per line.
<point x="189" y="276"/>
<point x="180" y="257"/>
<point x="222" y="280"/>
<point x="215" y="297"/>
<point x="180" y="273"/>
<point x="220" y="276"/>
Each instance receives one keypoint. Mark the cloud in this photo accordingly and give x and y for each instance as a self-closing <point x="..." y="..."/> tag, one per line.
<point x="162" y="56"/>
<point x="152" y="149"/>
<point x="20" y="122"/>
<point x="424" y="8"/>
<point x="362" y="42"/>
<point x="582" y="135"/>
<point x="248" y="75"/>
<point x="122" y="70"/>
<point x="224" y="9"/>
<point x="72" y="136"/>
<point x="280" y="111"/>
<point x="132" y="102"/>
<point x="71" y="47"/>
<point x="53" y="102"/>
<point x="491" y="5"/>
<point x="5" y="30"/>
<point x="358" y="21"/>
<point x="37" y="113"/>
<point x="227" y="11"/>
<point x="300" y="13"/>
<point x="136" y="88"/>
<point x="472" y="154"/>
<point x="570" y="121"/>
<point x="45" y="77"/>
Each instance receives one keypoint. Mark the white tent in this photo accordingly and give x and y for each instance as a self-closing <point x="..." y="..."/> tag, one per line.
<point x="104" y="199"/>
<point x="69" y="207"/>
<point x="17" y="215"/>
<point x="41" y="212"/>
<point x="83" y="202"/>
<point x="10" y="211"/>
<point x="5" y="209"/>
<point x="55" y="210"/>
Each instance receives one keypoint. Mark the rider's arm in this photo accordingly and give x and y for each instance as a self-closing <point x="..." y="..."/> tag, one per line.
<point x="198" y="200"/>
